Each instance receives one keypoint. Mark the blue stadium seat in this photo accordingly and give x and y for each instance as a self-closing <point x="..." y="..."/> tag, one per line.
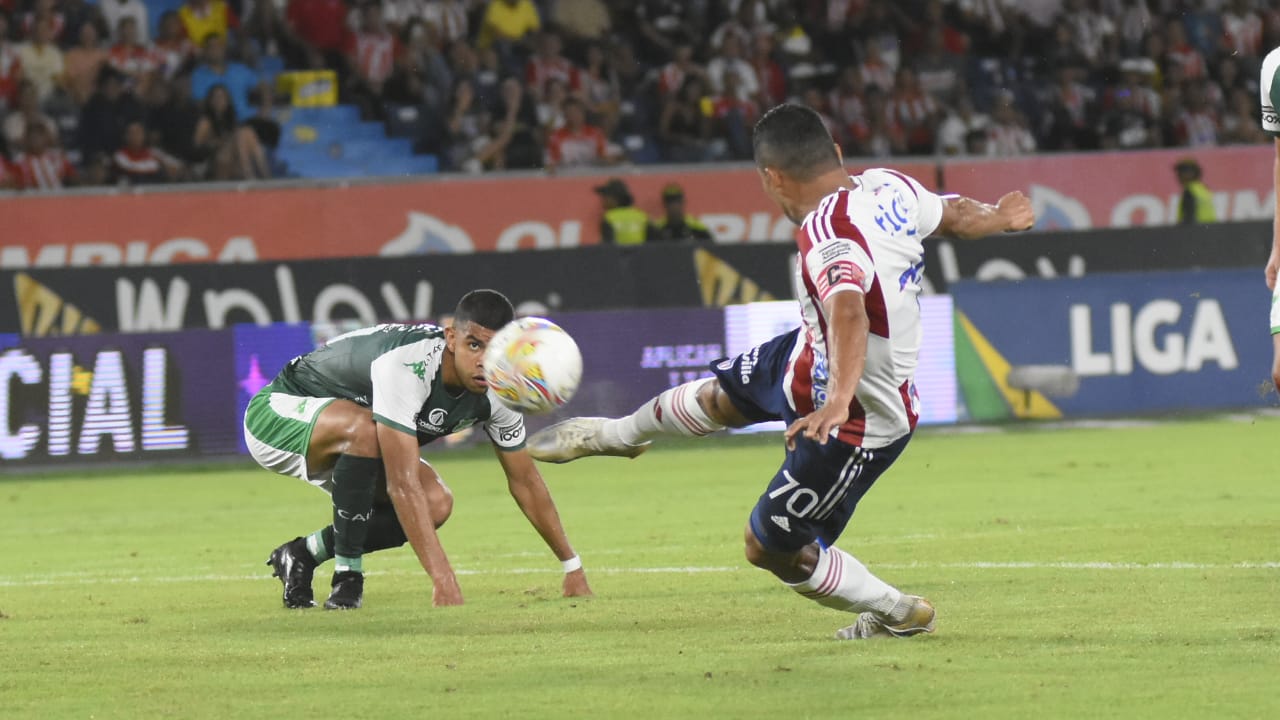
<point x="404" y="120"/>
<point x="270" y="66"/>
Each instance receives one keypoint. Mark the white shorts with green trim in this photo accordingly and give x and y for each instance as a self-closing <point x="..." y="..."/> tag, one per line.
<point x="277" y="429"/>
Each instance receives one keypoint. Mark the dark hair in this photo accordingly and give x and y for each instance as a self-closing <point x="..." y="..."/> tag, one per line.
<point x="486" y="308"/>
<point x="793" y="140"/>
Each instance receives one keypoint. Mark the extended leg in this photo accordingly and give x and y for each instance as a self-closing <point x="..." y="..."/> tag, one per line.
<point x="693" y="409"/>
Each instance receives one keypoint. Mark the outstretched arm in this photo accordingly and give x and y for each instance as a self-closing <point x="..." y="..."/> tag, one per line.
<point x="847" y="332"/>
<point x="531" y="494"/>
<point x="413" y="508"/>
<point x="964" y="218"/>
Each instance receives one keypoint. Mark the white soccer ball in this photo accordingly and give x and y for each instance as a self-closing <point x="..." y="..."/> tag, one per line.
<point x="532" y="365"/>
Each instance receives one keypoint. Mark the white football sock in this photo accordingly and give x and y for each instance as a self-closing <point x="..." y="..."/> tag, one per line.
<point x="839" y="581"/>
<point x="674" y="412"/>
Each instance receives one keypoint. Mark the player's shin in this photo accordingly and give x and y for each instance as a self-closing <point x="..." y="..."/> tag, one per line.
<point x="384" y="530"/>
<point x="674" y="412"/>
<point x="354" y="481"/>
<point x="840" y="582"/>
<point x="384" y="533"/>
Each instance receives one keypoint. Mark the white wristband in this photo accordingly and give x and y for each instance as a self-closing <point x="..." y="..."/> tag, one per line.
<point x="573" y="563"/>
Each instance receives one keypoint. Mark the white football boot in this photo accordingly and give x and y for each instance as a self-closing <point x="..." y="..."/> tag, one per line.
<point x="920" y="617"/>
<point x="576" y="438"/>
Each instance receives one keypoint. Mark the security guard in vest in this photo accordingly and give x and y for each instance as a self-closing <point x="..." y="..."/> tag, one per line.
<point x="1196" y="205"/>
<point x="623" y="223"/>
<point x="676" y="225"/>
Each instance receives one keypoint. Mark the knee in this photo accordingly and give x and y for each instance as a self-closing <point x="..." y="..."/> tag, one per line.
<point x="715" y="402"/>
<point x="755" y="552"/>
<point x="362" y="437"/>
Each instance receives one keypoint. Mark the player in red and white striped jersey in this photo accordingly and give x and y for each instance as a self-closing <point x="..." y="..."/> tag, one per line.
<point x="842" y="382"/>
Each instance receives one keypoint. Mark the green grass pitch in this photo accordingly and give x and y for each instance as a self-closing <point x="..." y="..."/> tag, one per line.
<point x="1108" y="572"/>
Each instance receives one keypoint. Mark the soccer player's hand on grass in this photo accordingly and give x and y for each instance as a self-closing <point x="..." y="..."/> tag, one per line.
<point x="817" y="426"/>
<point x="446" y="592"/>
<point x="575" y="584"/>
<point x="1016" y="210"/>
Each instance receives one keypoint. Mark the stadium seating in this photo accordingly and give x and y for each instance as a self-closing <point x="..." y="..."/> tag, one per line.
<point x="333" y="141"/>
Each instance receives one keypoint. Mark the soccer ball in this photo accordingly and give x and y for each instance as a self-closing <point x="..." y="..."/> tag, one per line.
<point x="532" y="365"/>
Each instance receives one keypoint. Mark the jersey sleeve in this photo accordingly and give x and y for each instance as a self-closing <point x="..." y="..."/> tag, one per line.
<point x="1269" y="93"/>
<point x="835" y="260"/>
<point x="402" y="382"/>
<point x="922" y="205"/>
<point x="505" y="426"/>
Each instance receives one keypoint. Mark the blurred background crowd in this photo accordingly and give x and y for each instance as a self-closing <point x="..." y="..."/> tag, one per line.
<point x="132" y="92"/>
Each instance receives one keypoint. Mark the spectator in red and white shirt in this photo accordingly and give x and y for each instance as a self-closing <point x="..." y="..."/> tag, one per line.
<point x="875" y="70"/>
<point x="25" y="114"/>
<point x="1183" y="55"/>
<point x="673" y="75"/>
<point x="917" y="112"/>
<point x="1242" y="30"/>
<point x="734" y="116"/>
<point x="1197" y="124"/>
<point x="449" y="16"/>
<point x="1008" y="134"/>
<point x="372" y="50"/>
<point x="10" y="68"/>
<point x="172" y="48"/>
<point x="773" y="81"/>
<point x="549" y="64"/>
<point x="42" y="166"/>
<point x="728" y="60"/>
<point x="847" y="107"/>
<point x="45" y="10"/>
<point x="135" y="61"/>
<point x="577" y="144"/>
<point x="136" y="163"/>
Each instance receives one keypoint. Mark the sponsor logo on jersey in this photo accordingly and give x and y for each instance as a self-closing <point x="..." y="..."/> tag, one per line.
<point x="434" y="421"/>
<point x="781" y="521"/>
<point x="831" y="252"/>
<point x="911" y="275"/>
<point x="748" y="365"/>
<point x="820" y="379"/>
<point x="511" y="433"/>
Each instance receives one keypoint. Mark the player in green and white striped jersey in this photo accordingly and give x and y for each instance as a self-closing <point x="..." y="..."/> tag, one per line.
<point x="350" y="417"/>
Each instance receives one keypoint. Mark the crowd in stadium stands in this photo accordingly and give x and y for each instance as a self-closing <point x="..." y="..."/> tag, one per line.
<point x="114" y="92"/>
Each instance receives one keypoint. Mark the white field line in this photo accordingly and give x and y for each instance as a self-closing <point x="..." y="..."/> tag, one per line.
<point x="105" y="579"/>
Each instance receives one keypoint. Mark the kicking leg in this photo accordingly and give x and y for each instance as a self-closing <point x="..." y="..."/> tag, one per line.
<point x="743" y="391"/>
<point x="693" y="409"/>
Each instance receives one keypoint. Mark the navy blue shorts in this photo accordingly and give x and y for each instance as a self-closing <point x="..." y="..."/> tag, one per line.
<point x="814" y="493"/>
<point x="753" y="380"/>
